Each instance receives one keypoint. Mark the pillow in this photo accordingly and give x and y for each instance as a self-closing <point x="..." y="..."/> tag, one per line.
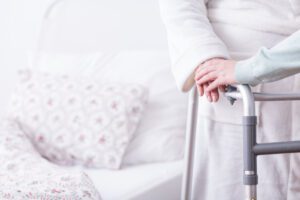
<point x="78" y="121"/>
<point x="26" y="175"/>
<point x="160" y="136"/>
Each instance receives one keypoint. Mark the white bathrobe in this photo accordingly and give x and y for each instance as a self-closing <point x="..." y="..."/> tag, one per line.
<point x="199" y="30"/>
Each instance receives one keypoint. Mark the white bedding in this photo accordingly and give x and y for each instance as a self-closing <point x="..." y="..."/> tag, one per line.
<point x="22" y="166"/>
<point x="161" y="181"/>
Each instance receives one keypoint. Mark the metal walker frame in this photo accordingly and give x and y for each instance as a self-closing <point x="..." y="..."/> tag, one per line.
<point x="251" y="149"/>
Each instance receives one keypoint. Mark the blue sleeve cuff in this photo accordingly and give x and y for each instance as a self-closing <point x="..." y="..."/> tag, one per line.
<point x="244" y="72"/>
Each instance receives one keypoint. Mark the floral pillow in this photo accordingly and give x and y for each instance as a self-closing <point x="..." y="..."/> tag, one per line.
<point x="78" y="121"/>
<point x="24" y="174"/>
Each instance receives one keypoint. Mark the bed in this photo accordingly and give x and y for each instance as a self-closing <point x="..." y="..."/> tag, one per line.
<point x="147" y="182"/>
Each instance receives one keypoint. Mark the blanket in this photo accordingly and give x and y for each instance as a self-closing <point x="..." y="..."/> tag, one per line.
<point x="24" y="174"/>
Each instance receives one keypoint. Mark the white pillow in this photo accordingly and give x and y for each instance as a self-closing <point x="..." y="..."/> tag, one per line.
<point x="161" y="134"/>
<point x="78" y="121"/>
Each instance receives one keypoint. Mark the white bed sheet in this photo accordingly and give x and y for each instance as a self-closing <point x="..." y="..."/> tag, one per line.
<point x="159" y="181"/>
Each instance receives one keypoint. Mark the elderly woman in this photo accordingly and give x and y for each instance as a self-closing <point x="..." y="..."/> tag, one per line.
<point x="211" y="34"/>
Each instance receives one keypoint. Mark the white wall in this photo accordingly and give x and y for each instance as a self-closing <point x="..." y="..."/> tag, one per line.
<point x="131" y="24"/>
<point x="6" y="51"/>
<point x="18" y="29"/>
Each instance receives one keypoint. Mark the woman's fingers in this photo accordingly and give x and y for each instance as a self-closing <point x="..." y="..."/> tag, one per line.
<point x="212" y="95"/>
<point x="222" y="88"/>
<point x="202" y="71"/>
<point x="208" y="94"/>
<point x="200" y="89"/>
<point x="215" y="95"/>
<point x="213" y="75"/>
<point x="207" y="78"/>
<point x="214" y="85"/>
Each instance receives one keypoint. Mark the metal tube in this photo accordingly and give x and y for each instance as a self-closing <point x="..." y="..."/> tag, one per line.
<point x="250" y="160"/>
<point x="235" y="95"/>
<point x="190" y="145"/>
<point x="38" y="43"/>
<point x="249" y="131"/>
<point x="267" y="96"/>
<point x="248" y="100"/>
<point x="276" y="97"/>
<point x="51" y="7"/>
<point x="277" y="148"/>
<point x="251" y="193"/>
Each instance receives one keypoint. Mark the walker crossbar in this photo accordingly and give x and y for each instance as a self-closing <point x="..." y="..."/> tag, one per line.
<point x="250" y="147"/>
<point x="267" y="96"/>
<point x="277" y="148"/>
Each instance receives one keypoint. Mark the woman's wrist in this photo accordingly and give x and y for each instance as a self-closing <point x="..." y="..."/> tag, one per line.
<point x="244" y="72"/>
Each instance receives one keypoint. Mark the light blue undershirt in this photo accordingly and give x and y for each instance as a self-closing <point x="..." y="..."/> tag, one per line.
<point x="271" y="64"/>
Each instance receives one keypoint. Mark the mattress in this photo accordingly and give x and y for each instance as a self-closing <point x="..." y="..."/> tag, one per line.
<point x="160" y="181"/>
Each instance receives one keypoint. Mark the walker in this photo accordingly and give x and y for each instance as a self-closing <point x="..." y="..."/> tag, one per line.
<point x="251" y="149"/>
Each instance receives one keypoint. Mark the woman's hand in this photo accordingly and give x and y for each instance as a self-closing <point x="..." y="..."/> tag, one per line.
<point x="214" y="74"/>
<point x="212" y="96"/>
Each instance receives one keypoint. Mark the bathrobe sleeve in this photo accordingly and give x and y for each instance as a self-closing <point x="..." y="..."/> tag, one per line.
<point x="191" y="38"/>
<point x="271" y="64"/>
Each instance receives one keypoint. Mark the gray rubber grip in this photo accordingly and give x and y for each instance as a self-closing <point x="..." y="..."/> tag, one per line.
<point x="250" y="160"/>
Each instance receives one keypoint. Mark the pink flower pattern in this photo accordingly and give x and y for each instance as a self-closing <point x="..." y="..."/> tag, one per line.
<point x="25" y="175"/>
<point x="77" y="121"/>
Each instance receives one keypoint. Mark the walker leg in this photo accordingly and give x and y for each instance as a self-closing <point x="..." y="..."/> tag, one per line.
<point x="190" y="146"/>
<point x="249" y="137"/>
<point x="250" y="160"/>
<point x="250" y="192"/>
